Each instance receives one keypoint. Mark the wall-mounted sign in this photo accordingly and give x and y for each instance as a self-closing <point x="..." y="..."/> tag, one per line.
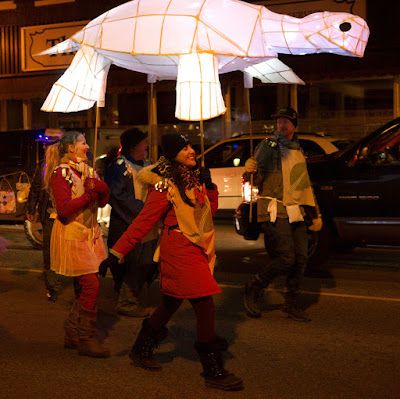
<point x="35" y="39"/>
<point x="301" y="8"/>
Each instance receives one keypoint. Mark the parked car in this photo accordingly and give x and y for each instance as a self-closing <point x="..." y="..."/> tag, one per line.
<point x="226" y="162"/>
<point x="357" y="191"/>
<point x="20" y="154"/>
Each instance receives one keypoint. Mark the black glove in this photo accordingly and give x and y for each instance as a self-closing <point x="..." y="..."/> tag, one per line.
<point x="205" y="177"/>
<point x="108" y="263"/>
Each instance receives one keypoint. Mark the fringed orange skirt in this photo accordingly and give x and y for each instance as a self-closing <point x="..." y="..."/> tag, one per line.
<point x="76" y="249"/>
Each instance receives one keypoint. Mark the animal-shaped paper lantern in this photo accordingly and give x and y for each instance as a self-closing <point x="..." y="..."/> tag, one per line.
<point x="193" y="41"/>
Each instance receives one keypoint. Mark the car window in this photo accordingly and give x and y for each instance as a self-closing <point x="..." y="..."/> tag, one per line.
<point x="342" y="143"/>
<point x="310" y="148"/>
<point x="230" y="154"/>
<point x="19" y="152"/>
<point x="384" y="149"/>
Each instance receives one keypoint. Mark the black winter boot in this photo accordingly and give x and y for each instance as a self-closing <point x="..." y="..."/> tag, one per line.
<point x="292" y="309"/>
<point x="214" y="374"/>
<point x="253" y="293"/>
<point x="222" y="343"/>
<point x="143" y="348"/>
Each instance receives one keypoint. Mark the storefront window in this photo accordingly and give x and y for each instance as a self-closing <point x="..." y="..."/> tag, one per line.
<point x="7" y="5"/>
<point x="14" y="114"/>
<point x="346" y="108"/>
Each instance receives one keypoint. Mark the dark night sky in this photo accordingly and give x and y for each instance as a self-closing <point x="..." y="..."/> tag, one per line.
<point x="383" y="19"/>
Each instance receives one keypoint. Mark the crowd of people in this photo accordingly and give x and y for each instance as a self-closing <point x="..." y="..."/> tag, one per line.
<point x="162" y="224"/>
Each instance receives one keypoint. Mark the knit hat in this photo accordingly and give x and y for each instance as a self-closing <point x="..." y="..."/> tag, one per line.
<point x="131" y="138"/>
<point x="288" y="113"/>
<point x="172" y="143"/>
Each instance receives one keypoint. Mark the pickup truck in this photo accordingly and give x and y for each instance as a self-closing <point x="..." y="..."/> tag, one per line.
<point x="358" y="191"/>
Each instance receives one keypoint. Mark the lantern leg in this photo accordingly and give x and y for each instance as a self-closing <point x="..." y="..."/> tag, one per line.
<point x="198" y="90"/>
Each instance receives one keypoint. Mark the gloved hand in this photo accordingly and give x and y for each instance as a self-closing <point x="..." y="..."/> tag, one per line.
<point x="111" y="261"/>
<point x="96" y="185"/>
<point x="316" y="224"/>
<point x="205" y="177"/>
<point x="250" y="165"/>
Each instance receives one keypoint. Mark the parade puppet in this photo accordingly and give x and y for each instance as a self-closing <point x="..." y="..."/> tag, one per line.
<point x="193" y="42"/>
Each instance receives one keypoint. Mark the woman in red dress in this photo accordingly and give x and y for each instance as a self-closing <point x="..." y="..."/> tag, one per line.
<point x="183" y="199"/>
<point x="76" y="246"/>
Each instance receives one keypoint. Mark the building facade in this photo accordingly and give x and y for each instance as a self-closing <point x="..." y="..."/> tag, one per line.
<point x="343" y="96"/>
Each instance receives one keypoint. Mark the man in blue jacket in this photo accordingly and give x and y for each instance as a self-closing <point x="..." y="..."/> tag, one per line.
<point x="138" y="268"/>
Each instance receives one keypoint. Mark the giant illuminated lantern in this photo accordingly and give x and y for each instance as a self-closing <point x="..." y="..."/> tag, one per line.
<point x="193" y="41"/>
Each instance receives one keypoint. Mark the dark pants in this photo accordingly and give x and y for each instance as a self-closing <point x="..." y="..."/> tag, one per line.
<point x="51" y="279"/>
<point x="203" y="307"/>
<point x="287" y="245"/>
<point x="138" y="267"/>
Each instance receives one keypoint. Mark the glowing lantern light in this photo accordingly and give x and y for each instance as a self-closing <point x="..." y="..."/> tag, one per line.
<point x="192" y="41"/>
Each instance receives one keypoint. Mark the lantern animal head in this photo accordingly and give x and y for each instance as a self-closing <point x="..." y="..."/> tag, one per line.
<point x="323" y="32"/>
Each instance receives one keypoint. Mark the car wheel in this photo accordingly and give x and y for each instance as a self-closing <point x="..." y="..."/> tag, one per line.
<point x="34" y="233"/>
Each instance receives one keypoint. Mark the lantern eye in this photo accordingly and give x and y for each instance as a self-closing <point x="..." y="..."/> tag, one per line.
<point x="345" y="26"/>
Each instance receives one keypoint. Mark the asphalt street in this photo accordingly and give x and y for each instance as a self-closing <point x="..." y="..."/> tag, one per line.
<point x="349" y="350"/>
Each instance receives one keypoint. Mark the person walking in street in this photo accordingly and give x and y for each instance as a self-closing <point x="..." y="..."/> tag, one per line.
<point x="126" y="200"/>
<point x="285" y="205"/>
<point x="184" y="198"/>
<point x="39" y="203"/>
<point x="76" y="246"/>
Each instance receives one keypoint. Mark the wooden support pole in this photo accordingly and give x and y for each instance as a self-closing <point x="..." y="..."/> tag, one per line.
<point x="152" y="123"/>
<point x="96" y="133"/>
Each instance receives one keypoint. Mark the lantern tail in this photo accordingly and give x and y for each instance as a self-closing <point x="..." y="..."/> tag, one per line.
<point x="273" y="71"/>
<point x="81" y="85"/>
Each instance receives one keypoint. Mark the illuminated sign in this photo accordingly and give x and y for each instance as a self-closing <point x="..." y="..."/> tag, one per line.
<point x="35" y="39"/>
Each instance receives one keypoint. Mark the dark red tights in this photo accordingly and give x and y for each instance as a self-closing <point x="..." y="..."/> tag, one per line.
<point x="87" y="289"/>
<point x="203" y="307"/>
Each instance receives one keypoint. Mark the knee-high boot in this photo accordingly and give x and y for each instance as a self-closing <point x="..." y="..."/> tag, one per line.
<point x="89" y="344"/>
<point x="71" y="337"/>
<point x="143" y="348"/>
<point x="214" y="374"/>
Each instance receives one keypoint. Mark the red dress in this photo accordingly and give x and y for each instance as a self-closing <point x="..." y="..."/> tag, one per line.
<point x="184" y="267"/>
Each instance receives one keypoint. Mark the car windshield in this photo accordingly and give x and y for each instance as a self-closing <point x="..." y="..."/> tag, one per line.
<point x="230" y="154"/>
